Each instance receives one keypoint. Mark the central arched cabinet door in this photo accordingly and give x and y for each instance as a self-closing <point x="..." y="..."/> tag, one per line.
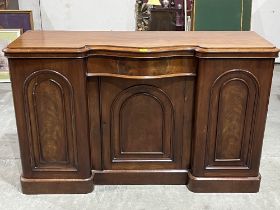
<point x="141" y="123"/>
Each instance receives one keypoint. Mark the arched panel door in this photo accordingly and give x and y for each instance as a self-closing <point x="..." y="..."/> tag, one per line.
<point x="142" y="123"/>
<point x="49" y="105"/>
<point x="51" y="112"/>
<point x="231" y="123"/>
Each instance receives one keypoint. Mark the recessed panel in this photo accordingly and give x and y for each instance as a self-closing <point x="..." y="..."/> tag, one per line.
<point x="233" y="101"/>
<point x="142" y="119"/>
<point x="51" y="120"/>
<point x="142" y="125"/>
<point x="53" y="140"/>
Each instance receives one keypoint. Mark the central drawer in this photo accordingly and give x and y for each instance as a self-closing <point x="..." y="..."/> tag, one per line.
<point x="139" y="67"/>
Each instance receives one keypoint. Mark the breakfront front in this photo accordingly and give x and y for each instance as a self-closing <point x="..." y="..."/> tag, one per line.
<point x="140" y="108"/>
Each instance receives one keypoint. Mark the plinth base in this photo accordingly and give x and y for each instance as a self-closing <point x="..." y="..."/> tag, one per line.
<point x="224" y="184"/>
<point x="57" y="186"/>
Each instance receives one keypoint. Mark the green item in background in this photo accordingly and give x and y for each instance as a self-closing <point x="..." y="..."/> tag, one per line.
<point x="4" y="77"/>
<point x="221" y="15"/>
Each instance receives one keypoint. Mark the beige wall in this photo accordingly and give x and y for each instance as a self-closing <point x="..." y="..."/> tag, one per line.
<point x="266" y="20"/>
<point x="82" y="15"/>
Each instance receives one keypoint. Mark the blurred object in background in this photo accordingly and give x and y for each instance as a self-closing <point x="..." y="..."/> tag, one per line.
<point x="3" y="4"/>
<point x="153" y="2"/>
<point x="6" y="37"/>
<point x="16" y="19"/>
<point x="160" y="15"/>
<point x="9" y="4"/>
<point x="143" y="15"/>
<point x="163" y="19"/>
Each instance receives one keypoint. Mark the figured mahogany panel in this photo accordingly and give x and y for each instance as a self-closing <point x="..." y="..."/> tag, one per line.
<point x="50" y="117"/>
<point x="137" y="67"/>
<point x="232" y="109"/>
<point x="233" y="101"/>
<point x="139" y="127"/>
<point x="47" y="97"/>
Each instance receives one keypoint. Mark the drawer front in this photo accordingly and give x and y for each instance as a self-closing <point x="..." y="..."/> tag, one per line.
<point x="139" y="67"/>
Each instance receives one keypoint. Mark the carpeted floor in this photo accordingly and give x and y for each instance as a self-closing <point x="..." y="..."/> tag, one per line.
<point x="139" y="197"/>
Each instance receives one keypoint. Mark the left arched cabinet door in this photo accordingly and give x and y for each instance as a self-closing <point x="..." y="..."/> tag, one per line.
<point x="51" y="111"/>
<point x="50" y="117"/>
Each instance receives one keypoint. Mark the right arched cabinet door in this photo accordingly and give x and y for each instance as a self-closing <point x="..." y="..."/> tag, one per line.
<point x="232" y="99"/>
<point x="233" y="103"/>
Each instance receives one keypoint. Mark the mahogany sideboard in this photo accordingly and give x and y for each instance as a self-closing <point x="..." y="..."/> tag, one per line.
<point x="140" y="108"/>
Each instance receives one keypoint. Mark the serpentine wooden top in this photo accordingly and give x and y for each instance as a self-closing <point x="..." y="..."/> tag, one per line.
<point x="139" y="42"/>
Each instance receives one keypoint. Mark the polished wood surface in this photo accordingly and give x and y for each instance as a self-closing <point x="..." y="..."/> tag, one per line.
<point x="140" y="108"/>
<point x="139" y="68"/>
<point x="138" y="41"/>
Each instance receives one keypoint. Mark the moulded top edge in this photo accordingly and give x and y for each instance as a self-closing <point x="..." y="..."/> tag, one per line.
<point x="139" y="42"/>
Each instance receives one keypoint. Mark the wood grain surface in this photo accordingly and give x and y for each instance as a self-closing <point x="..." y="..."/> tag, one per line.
<point x="156" y="41"/>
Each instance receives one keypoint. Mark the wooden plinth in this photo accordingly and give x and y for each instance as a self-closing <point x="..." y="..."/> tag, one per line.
<point x="57" y="186"/>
